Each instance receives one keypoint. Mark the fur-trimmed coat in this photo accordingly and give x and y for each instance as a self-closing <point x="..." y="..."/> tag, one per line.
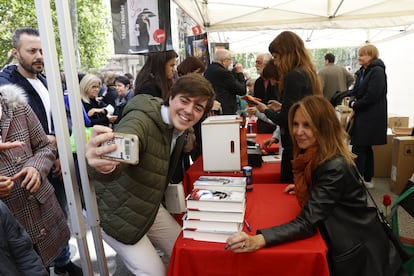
<point x="39" y="213"/>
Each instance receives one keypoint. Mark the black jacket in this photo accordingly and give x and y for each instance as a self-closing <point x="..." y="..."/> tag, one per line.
<point x="337" y="206"/>
<point x="265" y="94"/>
<point x="10" y="74"/>
<point x="17" y="255"/>
<point x="226" y="85"/>
<point x="297" y="85"/>
<point x="370" y="105"/>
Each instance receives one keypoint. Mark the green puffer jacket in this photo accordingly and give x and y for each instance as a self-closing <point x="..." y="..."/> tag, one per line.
<point x="129" y="198"/>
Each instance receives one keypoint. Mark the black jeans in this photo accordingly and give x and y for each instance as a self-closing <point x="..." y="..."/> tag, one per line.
<point x="286" y="173"/>
<point x="364" y="161"/>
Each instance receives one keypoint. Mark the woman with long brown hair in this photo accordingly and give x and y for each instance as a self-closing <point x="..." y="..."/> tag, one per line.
<point x="297" y="78"/>
<point x="333" y="200"/>
<point x="156" y="76"/>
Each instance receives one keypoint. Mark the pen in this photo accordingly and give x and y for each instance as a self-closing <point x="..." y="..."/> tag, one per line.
<point x="249" y="228"/>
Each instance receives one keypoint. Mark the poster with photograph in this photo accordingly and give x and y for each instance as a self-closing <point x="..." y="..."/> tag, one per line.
<point x="141" y="26"/>
<point x="197" y="46"/>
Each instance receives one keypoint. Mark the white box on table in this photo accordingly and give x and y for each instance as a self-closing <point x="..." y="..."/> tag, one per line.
<point x="221" y="143"/>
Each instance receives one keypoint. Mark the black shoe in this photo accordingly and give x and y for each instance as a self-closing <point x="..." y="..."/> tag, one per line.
<point x="70" y="269"/>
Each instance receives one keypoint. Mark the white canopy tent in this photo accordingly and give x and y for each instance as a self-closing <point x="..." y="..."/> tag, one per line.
<point x="249" y="26"/>
<point x="322" y="23"/>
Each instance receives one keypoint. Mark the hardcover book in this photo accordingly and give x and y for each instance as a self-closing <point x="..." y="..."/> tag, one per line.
<point x="216" y="200"/>
<point x="215" y="216"/>
<point x="210" y="236"/>
<point x="223" y="183"/>
<point x="271" y="158"/>
<point x="211" y="225"/>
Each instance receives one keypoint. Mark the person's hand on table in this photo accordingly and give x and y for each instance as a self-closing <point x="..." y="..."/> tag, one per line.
<point x="268" y="142"/>
<point x="290" y="189"/>
<point x="94" y="151"/>
<point x="242" y="242"/>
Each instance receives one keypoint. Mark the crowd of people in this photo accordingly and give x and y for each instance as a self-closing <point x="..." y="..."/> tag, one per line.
<point x="164" y="107"/>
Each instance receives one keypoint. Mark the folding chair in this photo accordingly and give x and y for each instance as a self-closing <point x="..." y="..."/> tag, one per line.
<point x="406" y="201"/>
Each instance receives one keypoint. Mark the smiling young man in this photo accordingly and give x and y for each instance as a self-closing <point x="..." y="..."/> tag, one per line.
<point x="129" y="197"/>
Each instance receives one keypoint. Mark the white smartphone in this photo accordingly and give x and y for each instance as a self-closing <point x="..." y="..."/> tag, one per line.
<point x="127" y="148"/>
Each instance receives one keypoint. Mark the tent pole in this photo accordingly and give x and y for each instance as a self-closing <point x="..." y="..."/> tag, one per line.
<point x="44" y="18"/>
<point x="78" y="128"/>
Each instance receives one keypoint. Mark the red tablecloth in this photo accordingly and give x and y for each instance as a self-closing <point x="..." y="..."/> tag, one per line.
<point x="266" y="206"/>
<point x="267" y="173"/>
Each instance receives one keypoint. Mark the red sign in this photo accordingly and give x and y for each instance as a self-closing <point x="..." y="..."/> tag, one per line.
<point x="159" y="36"/>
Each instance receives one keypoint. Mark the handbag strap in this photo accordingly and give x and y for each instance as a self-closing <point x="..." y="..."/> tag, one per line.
<point x="379" y="212"/>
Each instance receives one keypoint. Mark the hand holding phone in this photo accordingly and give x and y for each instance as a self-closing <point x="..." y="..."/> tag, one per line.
<point x="274" y="105"/>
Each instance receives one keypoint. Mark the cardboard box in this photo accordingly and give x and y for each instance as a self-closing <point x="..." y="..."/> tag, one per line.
<point x="402" y="162"/>
<point x="407" y="131"/>
<point x="397" y="121"/>
<point x="221" y="143"/>
<point x="382" y="157"/>
<point x="383" y="153"/>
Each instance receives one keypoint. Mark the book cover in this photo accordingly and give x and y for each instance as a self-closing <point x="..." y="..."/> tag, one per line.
<point x="215" y="216"/>
<point x="271" y="158"/>
<point x="210" y="236"/>
<point x="224" y="183"/>
<point x="216" y="200"/>
<point x="210" y="225"/>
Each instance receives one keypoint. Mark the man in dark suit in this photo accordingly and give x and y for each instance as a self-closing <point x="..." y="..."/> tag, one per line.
<point x="226" y="84"/>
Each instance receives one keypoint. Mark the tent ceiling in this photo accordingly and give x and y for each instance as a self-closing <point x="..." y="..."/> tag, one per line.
<point x="322" y="22"/>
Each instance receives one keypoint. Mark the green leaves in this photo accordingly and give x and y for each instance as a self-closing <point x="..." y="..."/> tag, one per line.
<point x="93" y="24"/>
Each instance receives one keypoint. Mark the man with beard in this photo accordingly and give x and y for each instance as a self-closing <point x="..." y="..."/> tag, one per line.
<point x="27" y="50"/>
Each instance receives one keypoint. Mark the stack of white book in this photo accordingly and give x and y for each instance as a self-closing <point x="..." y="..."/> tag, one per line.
<point x="215" y="208"/>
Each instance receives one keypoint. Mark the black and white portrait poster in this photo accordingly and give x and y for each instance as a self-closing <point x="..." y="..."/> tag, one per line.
<point x="141" y="26"/>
